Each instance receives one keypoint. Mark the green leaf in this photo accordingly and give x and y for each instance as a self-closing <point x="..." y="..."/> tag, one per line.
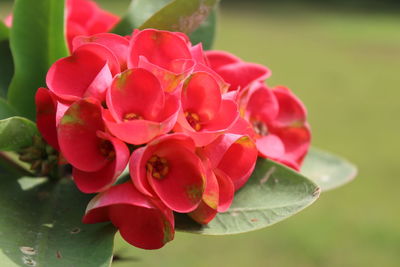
<point x="6" y="61"/>
<point x="206" y="32"/>
<point x="4" y="31"/>
<point x="40" y="224"/>
<point x="327" y="170"/>
<point x="37" y="41"/>
<point x="272" y="194"/>
<point x="6" y="110"/>
<point x="138" y="12"/>
<point x="181" y="15"/>
<point x="16" y="133"/>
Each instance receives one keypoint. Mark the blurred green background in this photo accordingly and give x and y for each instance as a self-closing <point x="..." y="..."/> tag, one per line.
<point x="343" y="61"/>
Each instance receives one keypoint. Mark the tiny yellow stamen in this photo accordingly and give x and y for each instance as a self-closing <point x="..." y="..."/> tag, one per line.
<point x="157" y="167"/>
<point x="194" y="120"/>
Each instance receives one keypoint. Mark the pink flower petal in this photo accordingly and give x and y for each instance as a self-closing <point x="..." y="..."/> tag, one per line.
<point x="291" y="110"/>
<point x="219" y="59"/>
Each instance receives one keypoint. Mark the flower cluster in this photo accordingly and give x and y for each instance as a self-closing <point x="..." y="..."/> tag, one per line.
<point x="188" y="124"/>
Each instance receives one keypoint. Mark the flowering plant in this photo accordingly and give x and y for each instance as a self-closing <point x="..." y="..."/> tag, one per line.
<point x="167" y="133"/>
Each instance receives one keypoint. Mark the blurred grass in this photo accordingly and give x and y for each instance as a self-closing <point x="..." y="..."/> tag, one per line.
<point x="345" y="67"/>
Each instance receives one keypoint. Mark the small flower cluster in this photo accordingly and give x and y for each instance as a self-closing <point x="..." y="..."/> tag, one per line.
<point x="188" y="124"/>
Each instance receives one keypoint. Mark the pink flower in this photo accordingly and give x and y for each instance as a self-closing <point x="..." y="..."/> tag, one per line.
<point x="139" y="110"/>
<point x="279" y="121"/>
<point x="97" y="157"/>
<point x="169" y="169"/>
<point x="142" y="221"/>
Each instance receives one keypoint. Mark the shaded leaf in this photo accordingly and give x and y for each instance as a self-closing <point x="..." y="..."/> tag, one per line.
<point x="272" y="194"/>
<point x="16" y="133"/>
<point x="206" y="32"/>
<point x="6" y="110"/>
<point x="37" y="41"/>
<point x="40" y="224"/>
<point x="138" y="12"/>
<point x="181" y="15"/>
<point x="327" y="170"/>
<point x="6" y="61"/>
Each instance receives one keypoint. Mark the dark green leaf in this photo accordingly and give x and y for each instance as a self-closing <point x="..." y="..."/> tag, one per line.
<point x="206" y="32"/>
<point x="40" y="224"/>
<point x="138" y="12"/>
<point x="181" y="15"/>
<point x="16" y="133"/>
<point x="6" y="62"/>
<point x="6" y="110"/>
<point x="327" y="170"/>
<point x="37" y="40"/>
<point x="273" y="193"/>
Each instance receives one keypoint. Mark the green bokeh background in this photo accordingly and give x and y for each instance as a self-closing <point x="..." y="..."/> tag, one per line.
<point x="344" y="64"/>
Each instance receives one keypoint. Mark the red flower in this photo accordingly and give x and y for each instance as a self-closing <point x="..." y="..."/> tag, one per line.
<point x="168" y="168"/>
<point x="139" y="110"/>
<point x="279" y="121"/>
<point x="205" y="112"/>
<point x="142" y="221"/>
<point x="97" y="157"/>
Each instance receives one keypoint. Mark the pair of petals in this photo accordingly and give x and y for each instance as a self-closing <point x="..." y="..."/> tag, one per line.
<point x="97" y="157"/>
<point x="139" y="110"/>
<point x="229" y="161"/>
<point x="182" y="186"/>
<point x="210" y="114"/>
<point x="142" y="221"/>
<point x="279" y="120"/>
<point x="233" y="70"/>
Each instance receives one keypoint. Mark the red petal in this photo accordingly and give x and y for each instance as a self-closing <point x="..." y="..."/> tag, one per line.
<point x="235" y="156"/>
<point x="226" y="190"/>
<point x="219" y="59"/>
<point x="136" y="91"/>
<point x="240" y="75"/>
<point x="77" y="136"/>
<point x="92" y="182"/>
<point x="203" y="214"/>
<point x="69" y="78"/>
<point x="291" y="110"/>
<point x="270" y="146"/>
<point x="201" y="95"/>
<point x="117" y="44"/>
<point x="46" y="110"/>
<point x="159" y="47"/>
<point x="142" y="222"/>
<point x="262" y="104"/>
